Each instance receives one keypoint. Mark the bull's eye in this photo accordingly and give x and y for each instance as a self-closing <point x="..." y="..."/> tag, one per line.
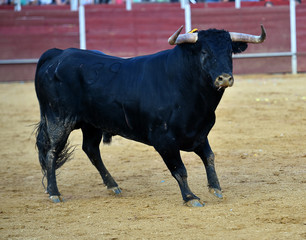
<point x="204" y="53"/>
<point x="204" y="57"/>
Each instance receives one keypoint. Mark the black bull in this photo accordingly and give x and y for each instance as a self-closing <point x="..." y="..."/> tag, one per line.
<point x="166" y="100"/>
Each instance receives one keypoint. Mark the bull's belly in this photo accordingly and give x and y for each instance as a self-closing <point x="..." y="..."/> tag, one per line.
<point x="149" y="131"/>
<point x="152" y="137"/>
<point x="122" y="127"/>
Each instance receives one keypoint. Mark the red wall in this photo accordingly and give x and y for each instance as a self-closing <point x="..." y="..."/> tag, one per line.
<point x="144" y="30"/>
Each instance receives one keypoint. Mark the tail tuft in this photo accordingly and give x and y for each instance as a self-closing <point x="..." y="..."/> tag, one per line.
<point x="64" y="151"/>
<point x="64" y="155"/>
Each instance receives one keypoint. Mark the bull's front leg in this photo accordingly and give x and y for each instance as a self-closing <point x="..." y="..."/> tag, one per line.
<point x="172" y="158"/>
<point x="206" y="154"/>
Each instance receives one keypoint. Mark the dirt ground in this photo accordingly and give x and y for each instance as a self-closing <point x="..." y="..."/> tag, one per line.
<point x="260" y="144"/>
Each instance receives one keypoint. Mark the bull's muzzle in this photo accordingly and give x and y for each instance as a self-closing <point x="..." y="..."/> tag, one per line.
<point x="223" y="81"/>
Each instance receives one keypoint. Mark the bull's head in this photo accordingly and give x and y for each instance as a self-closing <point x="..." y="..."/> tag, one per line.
<point x="214" y="49"/>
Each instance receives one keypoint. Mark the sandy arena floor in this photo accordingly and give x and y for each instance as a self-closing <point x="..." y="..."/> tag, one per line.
<point x="260" y="145"/>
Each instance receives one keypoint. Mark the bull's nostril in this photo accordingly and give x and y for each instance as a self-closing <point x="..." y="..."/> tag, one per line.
<point x="224" y="80"/>
<point x="225" y="77"/>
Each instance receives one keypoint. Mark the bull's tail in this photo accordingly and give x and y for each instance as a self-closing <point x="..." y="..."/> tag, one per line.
<point x="42" y="144"/>
<point x="62" y="150"/>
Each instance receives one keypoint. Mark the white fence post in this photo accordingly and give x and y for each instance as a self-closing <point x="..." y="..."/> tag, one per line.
<point x="82" y="28"/>
<point x="182" y="4"/>
<point x="237" y="4"/>
<point x="73" y="5"/>
<point x="17" y="7"/>
<point x="293" y="36"/>
<point x="187" y="16"/>
<point x="128" y="5"/>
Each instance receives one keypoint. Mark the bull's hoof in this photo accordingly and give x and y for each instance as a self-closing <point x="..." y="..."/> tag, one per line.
<point x="195" y="203"/>
<point x="216" y="192"/>
<point x="56" y="199"/>
<point x="115" y="190"/>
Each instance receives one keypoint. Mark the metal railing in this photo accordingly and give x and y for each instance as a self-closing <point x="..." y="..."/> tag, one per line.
<point x="18" y="61"/>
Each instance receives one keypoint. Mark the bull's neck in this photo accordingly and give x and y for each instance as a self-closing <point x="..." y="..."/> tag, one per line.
<point x="211" y="97"/>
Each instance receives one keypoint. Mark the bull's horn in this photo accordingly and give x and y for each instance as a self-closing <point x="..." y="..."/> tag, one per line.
<point x="172" y="39"/>
<point x="242" y="37"/>
<point x="176" y="38"/>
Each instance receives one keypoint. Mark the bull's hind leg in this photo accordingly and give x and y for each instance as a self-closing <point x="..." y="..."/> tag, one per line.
<point x="53" y="153"/>
<point x="91" y="141"/>
<point x="208" y="158"/>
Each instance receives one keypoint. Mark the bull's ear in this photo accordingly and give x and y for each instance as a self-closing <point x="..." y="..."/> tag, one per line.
<point x="239" y="47"/>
